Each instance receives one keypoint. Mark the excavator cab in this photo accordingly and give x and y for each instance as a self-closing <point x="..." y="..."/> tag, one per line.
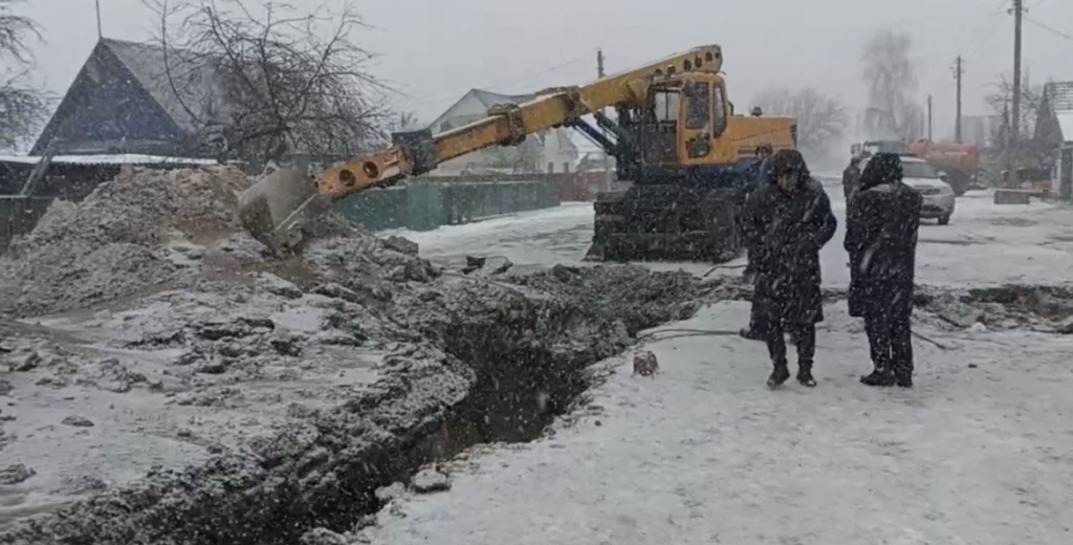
<point x="687" y="121"/>
<point x="686" y="154"/>
<point x="686" y="116"/>
<point x="660" y="135"/>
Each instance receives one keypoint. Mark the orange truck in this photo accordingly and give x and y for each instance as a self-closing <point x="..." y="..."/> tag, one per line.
<point x="961" y="162"/>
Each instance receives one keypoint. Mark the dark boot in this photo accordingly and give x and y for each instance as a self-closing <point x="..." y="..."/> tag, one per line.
<point x="752" y="334"/>
<point x="879" y="377"/>
<point x="804" y="375"/>
<point x="779" y="375"/>
<point x="904" y="380"/>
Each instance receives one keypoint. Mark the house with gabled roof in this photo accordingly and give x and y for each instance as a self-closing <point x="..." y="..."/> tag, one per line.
<point x="1054" y="128"/>
<point x="548" y="152"/>
<point x="122" y="102"/>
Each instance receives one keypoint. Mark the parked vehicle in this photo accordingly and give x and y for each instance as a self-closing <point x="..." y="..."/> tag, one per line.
<point x="960" y="162"/>
<point x="939" y="196"/>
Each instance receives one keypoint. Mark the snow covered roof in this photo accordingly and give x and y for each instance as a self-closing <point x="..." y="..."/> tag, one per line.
<point x="1060" y="94"/>
<point x="199" y="84"/>
<point x="123" y="101"/>
<point x="120" y="159"/>
<point x="1065" y="122"/>
<point x="472" y="106"/>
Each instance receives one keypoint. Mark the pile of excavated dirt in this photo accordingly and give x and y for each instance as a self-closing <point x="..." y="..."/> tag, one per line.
<point x="460" y="362"/>
<point x="114" y="243"/>
<point x="148" y="230"/>
<point x="635" y="294"/>
<point x="1040" y="308"/>
<point x="190" y="389"/>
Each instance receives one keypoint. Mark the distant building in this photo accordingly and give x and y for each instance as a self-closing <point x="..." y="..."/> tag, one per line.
<point x="549" y="151"/>
<point x="1054" y="129"/>
<point x="977" y="130"/>
<point x="122" y="102"/>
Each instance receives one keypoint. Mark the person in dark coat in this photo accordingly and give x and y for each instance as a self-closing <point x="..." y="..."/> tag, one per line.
<point x="851" y="177"/>
<point x="788" y="221"/>
<point x="881" y="238"/>
<point x="760" y="175"/>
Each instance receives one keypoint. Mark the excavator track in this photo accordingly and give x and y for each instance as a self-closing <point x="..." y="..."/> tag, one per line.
<point x="665" y="222"/>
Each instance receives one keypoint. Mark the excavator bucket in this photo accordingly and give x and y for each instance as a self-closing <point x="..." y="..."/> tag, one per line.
<point x="277" y="208"/>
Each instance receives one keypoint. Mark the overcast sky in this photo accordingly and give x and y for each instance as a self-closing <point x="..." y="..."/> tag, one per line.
<point x="435" y="50"/>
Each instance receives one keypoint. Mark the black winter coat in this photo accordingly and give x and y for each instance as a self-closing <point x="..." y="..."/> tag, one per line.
<point x="851" y="178"/>
<point x="785" y="232"/>
<point x="881" y="238"/>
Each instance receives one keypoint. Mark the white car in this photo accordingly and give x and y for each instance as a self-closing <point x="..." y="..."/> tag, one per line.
<point x="938" y="196"/>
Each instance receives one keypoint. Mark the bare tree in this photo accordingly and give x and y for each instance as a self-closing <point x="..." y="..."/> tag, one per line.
<point x="1031" y="101"/>
<point x="1029" y="151"/>
<point x="891" y="79"/>
<point x="23" y="108"/>
<point x="403" y="121"/>
<point x="266" y="83"/>
<point x="821" y="119"/>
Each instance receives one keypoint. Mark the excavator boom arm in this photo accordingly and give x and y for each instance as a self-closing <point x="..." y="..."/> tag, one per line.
<point x="276" y="208"/>
<point x="509" y="124"/>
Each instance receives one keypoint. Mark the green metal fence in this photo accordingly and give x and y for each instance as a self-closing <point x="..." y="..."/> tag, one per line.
<point x="425" y="205"/>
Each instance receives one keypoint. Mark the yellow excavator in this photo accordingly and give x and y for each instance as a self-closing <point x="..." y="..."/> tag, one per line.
<point x="674" y="135"/>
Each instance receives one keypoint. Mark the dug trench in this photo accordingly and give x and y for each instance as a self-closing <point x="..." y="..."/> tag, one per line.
<point x="465" y="359"/>
<point x="254" y="399"/>
<point x="489" y="361"/>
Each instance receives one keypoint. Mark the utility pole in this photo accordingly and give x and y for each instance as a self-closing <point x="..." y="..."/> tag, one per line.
<point x="1006" y="136"/>
<point x="930" y="137"/>
<point x="600" y="63"/>
<point x="100" y="33"/>
<point x="959" y="70"/>
<point x="1015" y="115"/>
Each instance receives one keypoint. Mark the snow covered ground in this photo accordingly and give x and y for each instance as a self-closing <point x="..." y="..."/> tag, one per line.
<point x="703" y="453"/>
<point x="978" y="453"/>
<point x="984" y="244"/>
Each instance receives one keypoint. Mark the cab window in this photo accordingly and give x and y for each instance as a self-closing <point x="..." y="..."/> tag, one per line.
<point x="719" y="110"/>
<point x="699" y="105"/>
<point x="667" y="106"/>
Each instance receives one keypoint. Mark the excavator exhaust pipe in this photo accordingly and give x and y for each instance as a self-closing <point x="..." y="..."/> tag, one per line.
<point x="277" y="209"/>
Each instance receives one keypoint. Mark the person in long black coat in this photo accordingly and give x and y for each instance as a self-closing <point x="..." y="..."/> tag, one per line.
<point x="881" y="238"/>
<point x="851" y="178"/>
<point x="788" y="221"/>
<point x="760" y="176"/>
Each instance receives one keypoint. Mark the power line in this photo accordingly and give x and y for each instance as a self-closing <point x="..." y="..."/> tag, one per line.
<point x="1002" y="7"/>
<point x="504" y="81"/>
<point x="1050" y="29"/>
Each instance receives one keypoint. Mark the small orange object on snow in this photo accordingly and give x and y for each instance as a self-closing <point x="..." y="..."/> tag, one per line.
<point x="645" y="364"/>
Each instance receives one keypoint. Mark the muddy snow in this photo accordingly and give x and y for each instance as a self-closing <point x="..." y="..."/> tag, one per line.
<point x="162" y="380"/>
<point x="702" y="453"/>
<point x="166" y="381"/>
<point x="979" y="452"/>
